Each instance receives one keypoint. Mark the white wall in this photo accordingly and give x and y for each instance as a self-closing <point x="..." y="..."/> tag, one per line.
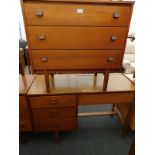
<point x="21" y="24"/>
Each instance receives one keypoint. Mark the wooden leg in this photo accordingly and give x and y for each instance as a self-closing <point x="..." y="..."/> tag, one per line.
<point x="56" y="136"/>
<point x="95" y="78"/>
<point x="124" y="130"/>
<point x="52" y="81"/>
<point x="127" y="120"/>
<point x="106" y="78"/>
<point x="47" y="82"/>
<point x="113" y="109"/>
<point x="21" y="138"/>
<point x="132" y="148"/>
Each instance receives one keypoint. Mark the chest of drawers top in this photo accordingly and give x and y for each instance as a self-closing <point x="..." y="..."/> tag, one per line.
<point x="77" y="13"/>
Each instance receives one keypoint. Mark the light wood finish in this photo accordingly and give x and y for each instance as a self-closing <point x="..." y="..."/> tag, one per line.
<point x="87" y="114"/>
<point x="25" y="123"/>
<point x="57" y="111"/>
<point x="52" y="101"/>
<point x="123" y="110"/>
<point x="87" y="1"/>
<point x="82" y="25"/>
<point x="23" y="109"/>
<point x="130" y="77"/>
<point x="55" y="125"/>
<point x="120" y="115"/>
<point x="25" y="82"/>
<point x="48" y="113"/>
<point x="62" y="37"/>
<point x="109" y="98"/>
<point x="80" y="83"/>
<point x="76" y="59"/>
<point x="67" y="14"/>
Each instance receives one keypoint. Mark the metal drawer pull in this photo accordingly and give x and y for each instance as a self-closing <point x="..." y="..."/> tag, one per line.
<point x="41" y="37"/>
<point x="113" y="38"/>
<point x="110" y="59"/>
<point x="39" y="13"/>
<point x="116" y="15"/>
<point x="44" y="59"/>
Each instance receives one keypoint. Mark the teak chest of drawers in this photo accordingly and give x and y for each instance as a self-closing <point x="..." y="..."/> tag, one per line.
<point x="81" y="35"/>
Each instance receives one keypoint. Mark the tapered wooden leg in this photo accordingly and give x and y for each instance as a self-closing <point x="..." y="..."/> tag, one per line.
<point x="113" y="109"/>
<point x="124" y="130"/>
<point x="47" y="82"/>
<point x="127" y="120"/>
<point x="132" y="148"/>
<point x="52" y="81"/>
<point x="106" y="78"/>
<point x="56" y="136"/>
<point x="95" y="78"/>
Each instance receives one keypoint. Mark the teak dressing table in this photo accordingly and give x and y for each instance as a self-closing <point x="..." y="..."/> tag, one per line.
<point x="58" y="110"/>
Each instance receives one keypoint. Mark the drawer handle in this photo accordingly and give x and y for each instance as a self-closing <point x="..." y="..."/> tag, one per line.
<point x="39" y="13"/>
<point x="44" y="59"/>
<point x="116" y="15"/>
<point x="110" y="59"/>
<point x="114" y="38"/>
<point x="41" y="37"/>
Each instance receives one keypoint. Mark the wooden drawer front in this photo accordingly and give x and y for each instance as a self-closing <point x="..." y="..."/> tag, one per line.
<point x="44" y="114"/>
<point x="25" y="126"/>
<point x="106" y="98"/>
<point x="76" y="14"/>
<point x="76" y="59"/>
<point x="23" y="109"/>
<point x="60" y="124"/>
<point x="52" y="101"/>
<point x="46" y="37"/>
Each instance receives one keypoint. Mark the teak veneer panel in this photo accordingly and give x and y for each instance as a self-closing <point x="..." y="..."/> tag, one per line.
<point x="52" y="101"/>
<point x="56" y="125"/>
<point x="76" y="59"/>
<point x="107" y="98"/>
<point x="80" y="84"/>
<point x="67" y="14"/>
<point x="64" y="37"/>
<point x="48" y="113"/>
<point x="25" y="82"/>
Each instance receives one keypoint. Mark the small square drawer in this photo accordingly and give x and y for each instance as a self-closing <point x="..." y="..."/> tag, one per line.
<point x="52" y="101"/>
<point x="53" y="124"/>
<point x="51" y="113"/>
